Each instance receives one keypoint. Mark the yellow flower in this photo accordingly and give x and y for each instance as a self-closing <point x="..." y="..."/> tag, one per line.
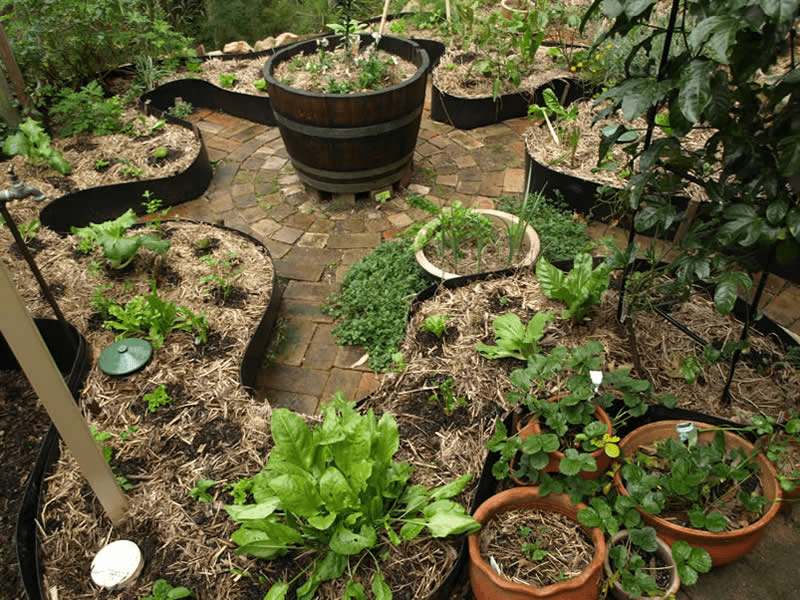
<point x="572" y="68"/>
<point x="609" y="46"/>
<point x="597" y="57"/>
<point x="580" y="64"/>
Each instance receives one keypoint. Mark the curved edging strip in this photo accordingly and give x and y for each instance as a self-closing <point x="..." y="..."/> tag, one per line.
<point x="469" y="113"/>
<point x="98" y="204"/>
<point x="207" y="95"/>
<point x="27" y="532"/>
<point x="72" y="358"/>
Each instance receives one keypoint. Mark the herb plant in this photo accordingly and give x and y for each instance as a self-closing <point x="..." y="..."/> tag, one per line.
<point x="565" y="125"/>
<point x="118" y="249"/>
<point x="334" y="489"/>
<point x="28" y="231"/>
<point x="87" y="111"/>
<point x="373" y="314"/>
<point x="32" y="141"/>
<point x="445" y="396"/>
<point x="561" y="234"/>
<point x="180" y="109"/>
<point x="260" y="85"/>
<point x="225" y="273"/>
<point x="581" y="288"/>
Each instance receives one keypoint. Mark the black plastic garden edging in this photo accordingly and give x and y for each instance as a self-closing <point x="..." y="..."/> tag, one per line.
<point x="98" y="204"/>
<point x="72" y="359"/>
<point x="469" y="113"/>
<point x="27" y="532"/>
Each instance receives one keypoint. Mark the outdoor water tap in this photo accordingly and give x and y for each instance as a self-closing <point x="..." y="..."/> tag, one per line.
<point x="18" y="189"/>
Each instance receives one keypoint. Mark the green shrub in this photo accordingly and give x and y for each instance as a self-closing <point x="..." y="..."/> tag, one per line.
<point x="87" y="111"/>
<point x="71" y="41"/>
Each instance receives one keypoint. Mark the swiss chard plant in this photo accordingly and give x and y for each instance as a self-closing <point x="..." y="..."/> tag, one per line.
<point x="580" y="288"/>
<point x="119" y="249"/>
<point x="513" y="339"/>
<point x="32" y="141"/>
<point x="335" y="490"/>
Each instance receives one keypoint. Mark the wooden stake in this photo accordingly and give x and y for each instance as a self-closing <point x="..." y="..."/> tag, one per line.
<point x="383" y="16"/>
<point x="14" y="74"/>
<point x="28" y="346"/>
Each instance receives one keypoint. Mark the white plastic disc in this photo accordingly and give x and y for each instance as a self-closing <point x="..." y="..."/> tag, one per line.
<point x="117" y="564"/>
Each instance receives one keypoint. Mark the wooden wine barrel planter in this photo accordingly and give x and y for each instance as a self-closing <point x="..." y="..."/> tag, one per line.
<point x="350" y="142"/>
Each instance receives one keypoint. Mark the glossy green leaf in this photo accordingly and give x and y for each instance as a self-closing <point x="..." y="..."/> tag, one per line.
<point x="278" y="591"/>
<point x="694" y="94"/>
<point x="292" y="437"/>
<point x="380" y="590"/>
<point x="348" y="542"/>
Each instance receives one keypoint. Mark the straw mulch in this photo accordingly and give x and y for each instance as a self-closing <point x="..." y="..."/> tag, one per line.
<point x="568" y="549"/>
<point x="542" y="146"/>
<point x="763" y="384"/>
<point x="212" y="429"/>
<point x="456" y="74"/>
<point x="247" y="71"/>
<point x="119" y="150"/>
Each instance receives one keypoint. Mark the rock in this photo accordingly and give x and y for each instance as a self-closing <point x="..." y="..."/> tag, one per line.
<point x="265" y="44"/>
<point x="215" y="53"/>
<point x="286" y="38"/>
<point x="239" y="47"/>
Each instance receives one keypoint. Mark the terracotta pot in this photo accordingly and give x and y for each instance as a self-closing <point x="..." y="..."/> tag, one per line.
<point x="531" y="244"/>
<point x="663" y="552"/>
<point x="488" y="585"/>
<point x="602" y="459"/>
<point x="726" y="546"/>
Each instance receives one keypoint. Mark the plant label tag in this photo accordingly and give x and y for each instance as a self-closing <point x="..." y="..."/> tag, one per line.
<point x="383" y="196"/>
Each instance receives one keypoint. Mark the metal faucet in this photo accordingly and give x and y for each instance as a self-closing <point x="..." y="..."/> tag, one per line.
<point x="18" y="189"/>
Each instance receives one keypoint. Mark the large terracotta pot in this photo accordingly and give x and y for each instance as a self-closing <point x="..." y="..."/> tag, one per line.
<point x="663" y="552"/>
<point x="726" y="546"/>
<point x="531" y="246"/>
<point x="488" y="585"/>
<point x="603" y="460"/>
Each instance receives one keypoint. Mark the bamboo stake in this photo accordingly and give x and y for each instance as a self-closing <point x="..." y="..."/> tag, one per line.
<point x="383" y="16"/>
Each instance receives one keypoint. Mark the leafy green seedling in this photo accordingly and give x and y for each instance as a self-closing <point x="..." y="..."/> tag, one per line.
<point x="436" y="324"/>
<point x="513" y="339"/>
<point x="160" y="152"/>
<point x="110" y="236"/>
<point x="157" y="398"/>
<point x="227" y="79"/>
<point x="260" y="85"/>
<point x="200" y="491"/>
<point x="532" y="550"/>
<point x="163" y="590"/>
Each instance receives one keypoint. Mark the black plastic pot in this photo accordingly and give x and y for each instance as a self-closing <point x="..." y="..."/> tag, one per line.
<point x="95" y="205"/>
<point x="350" y="142"/>
<point x="469" y="113"/>
<point x="70" y="353"/>
<point x="27" y="533"/>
